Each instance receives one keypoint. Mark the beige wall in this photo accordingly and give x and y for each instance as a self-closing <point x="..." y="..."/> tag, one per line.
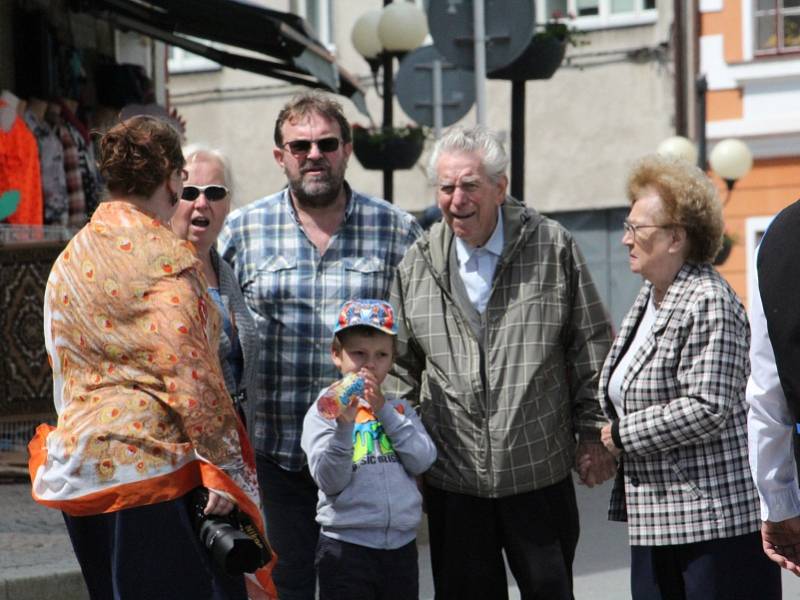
<point x="585" y="126"/>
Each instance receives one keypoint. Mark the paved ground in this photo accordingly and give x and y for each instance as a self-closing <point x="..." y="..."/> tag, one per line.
<point x="36" y="560"/>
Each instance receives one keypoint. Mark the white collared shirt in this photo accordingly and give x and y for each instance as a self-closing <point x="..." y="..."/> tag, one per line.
<point x="476" y="265"/>
<point x="770" y="426"/>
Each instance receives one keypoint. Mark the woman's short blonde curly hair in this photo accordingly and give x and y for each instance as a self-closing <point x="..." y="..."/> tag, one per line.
<point x="690" y="201"/>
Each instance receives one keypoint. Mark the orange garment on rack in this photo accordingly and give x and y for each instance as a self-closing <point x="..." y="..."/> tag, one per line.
<point x="20" y="170"/>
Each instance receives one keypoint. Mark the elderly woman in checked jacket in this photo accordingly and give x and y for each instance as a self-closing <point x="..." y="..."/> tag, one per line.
<point x="673" y="387"/>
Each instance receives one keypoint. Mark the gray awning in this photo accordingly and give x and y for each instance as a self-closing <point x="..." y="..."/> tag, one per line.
<point x="289" y="50"/>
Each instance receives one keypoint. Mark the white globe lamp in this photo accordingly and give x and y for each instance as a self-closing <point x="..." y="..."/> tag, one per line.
<point x="680" y="147"/>
<point x="402" y="27"/>
<point x="731" y="159"/>
<point x="365" y="34"/>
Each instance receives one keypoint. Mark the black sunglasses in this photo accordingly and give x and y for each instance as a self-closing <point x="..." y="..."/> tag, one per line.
<point x="330" y="144"/>
<point x="214" y="193"/>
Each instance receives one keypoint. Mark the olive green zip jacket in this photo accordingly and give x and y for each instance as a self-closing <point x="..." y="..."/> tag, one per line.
<point x="504" y="420"/>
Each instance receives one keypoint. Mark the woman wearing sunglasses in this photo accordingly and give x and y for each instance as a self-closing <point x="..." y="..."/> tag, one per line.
<point x="204" y="204"/>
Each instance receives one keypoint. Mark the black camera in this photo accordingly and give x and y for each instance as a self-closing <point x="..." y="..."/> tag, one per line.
<point x="233" y="540"/>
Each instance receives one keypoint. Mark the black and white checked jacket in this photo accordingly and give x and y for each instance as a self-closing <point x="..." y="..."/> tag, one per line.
<point x="684" y="474"/>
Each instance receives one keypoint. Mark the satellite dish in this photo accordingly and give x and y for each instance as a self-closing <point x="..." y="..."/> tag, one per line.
<point x="509" y="26"/>
<point x="414" y="87"/>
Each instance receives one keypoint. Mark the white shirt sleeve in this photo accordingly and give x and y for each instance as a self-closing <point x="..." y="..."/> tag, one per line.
<point x="770" y="427"/>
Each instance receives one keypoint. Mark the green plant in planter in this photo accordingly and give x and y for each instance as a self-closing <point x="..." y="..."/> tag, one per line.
<point x="395" y="148"/>
<point x="557" y="28"/>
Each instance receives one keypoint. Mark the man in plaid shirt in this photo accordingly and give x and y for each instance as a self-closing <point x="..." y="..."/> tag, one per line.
<point x="298" y="255"/>
<point x="501" y="336"/>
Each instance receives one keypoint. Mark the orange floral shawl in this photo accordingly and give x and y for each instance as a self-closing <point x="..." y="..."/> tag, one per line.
<point x="143" y="413"/>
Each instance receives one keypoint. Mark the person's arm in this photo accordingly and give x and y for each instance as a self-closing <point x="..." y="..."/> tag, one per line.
<point x="406" y="373"/>
<point x="711" y="371"/>
<point x="589" y="343"/>
<point x="328" y="444"/>
<point x="227" y="242"/>
<point x="411" y="442"/>
<point x="769" y="427"/>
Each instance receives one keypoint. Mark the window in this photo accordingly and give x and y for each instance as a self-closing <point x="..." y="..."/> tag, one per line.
<point x="319" y="15"/>
<point x="596" y="14"/>
<point x="183" y="61"/>
<point x="754" y="231"/>
<point x="777" y="26"/>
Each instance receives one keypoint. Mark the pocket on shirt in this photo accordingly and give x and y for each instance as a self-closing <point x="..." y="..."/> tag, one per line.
<point x="366" y="276"/>
<point x="271" y="283"/>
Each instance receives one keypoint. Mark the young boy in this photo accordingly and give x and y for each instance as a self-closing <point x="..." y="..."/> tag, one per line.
<point x="364" y="463"/>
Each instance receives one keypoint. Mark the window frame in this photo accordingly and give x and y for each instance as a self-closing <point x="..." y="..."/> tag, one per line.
<point x="780" y="13"/>
<point x="181" y="61"/>
<point x="755" y="227"/>
<point x="605" y="19"/>
<point x="324" y="28"/>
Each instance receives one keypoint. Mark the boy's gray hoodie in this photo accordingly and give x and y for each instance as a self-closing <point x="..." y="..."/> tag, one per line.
<point x="365" y="473"/>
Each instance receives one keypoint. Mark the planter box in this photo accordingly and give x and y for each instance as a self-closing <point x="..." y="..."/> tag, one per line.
<point x="379" y="150"/>
<point x="540" y="60"/>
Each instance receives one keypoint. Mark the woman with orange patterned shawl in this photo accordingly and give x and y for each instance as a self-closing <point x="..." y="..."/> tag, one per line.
<point x="143" y="414"/>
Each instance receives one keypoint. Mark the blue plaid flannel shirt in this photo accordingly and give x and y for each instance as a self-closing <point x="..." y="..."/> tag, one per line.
<point x="295" y="296"/>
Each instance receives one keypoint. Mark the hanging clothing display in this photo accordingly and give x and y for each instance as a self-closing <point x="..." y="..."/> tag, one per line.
<point x="91" y="181"/>
<point x="73" y="177"/>
<point x="51" y="159"/>
<point x="19" y="166"/>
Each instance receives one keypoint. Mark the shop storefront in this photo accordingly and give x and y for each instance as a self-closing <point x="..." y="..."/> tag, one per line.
<point x="68" y="70"/>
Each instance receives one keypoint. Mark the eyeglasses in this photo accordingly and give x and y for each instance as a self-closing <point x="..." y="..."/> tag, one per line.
<point x="628" y="227"/>
<point x="213" y="193"/>
<point x="302" y="147"/>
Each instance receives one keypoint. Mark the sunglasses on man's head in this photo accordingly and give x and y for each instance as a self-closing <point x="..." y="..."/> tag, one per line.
<point x="214" y="193"/>
<point x="330" y="144"/>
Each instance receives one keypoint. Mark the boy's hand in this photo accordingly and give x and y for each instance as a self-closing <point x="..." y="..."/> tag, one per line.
<point x="372" y="390"/>
<point x="348" y="414"/>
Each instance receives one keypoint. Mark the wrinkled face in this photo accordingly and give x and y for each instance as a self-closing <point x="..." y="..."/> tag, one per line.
<point x="315" y="177"/>
<point x="467" y="197"/>
<point x="372" y="352"/>
<point x="200" y="220"/>
<point x="649" y="247"/>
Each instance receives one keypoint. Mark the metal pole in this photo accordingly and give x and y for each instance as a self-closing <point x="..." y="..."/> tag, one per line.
<point x="388" y="102"/>
<point x="388" y="106"/>
<point x="438" y="119"/>
<point x="518" y="140"/>
<point x="701" y="89"/>
<point x="480" y="61"/>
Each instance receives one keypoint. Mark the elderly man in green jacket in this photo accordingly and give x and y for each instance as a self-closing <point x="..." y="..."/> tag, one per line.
<point x="502" y="336"/>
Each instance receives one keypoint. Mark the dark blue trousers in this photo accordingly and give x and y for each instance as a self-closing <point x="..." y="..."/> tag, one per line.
<point x="734" y="568"/>
<point x="349" y="571"/>
<point x="290" y="512"/>
<point x="148" y="553"/>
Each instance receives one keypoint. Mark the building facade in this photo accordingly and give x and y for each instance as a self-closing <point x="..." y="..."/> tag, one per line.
<point x="612" y="101"/>
<point x="750" y="54"/>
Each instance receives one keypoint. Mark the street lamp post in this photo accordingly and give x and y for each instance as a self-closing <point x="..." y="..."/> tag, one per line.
<point x="380" y="36"/>
<point x="731" y="159"/>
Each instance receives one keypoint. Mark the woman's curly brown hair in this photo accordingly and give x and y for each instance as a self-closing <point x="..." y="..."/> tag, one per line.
<point x="138" y="155"/>
<point x="690" y="201"/>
